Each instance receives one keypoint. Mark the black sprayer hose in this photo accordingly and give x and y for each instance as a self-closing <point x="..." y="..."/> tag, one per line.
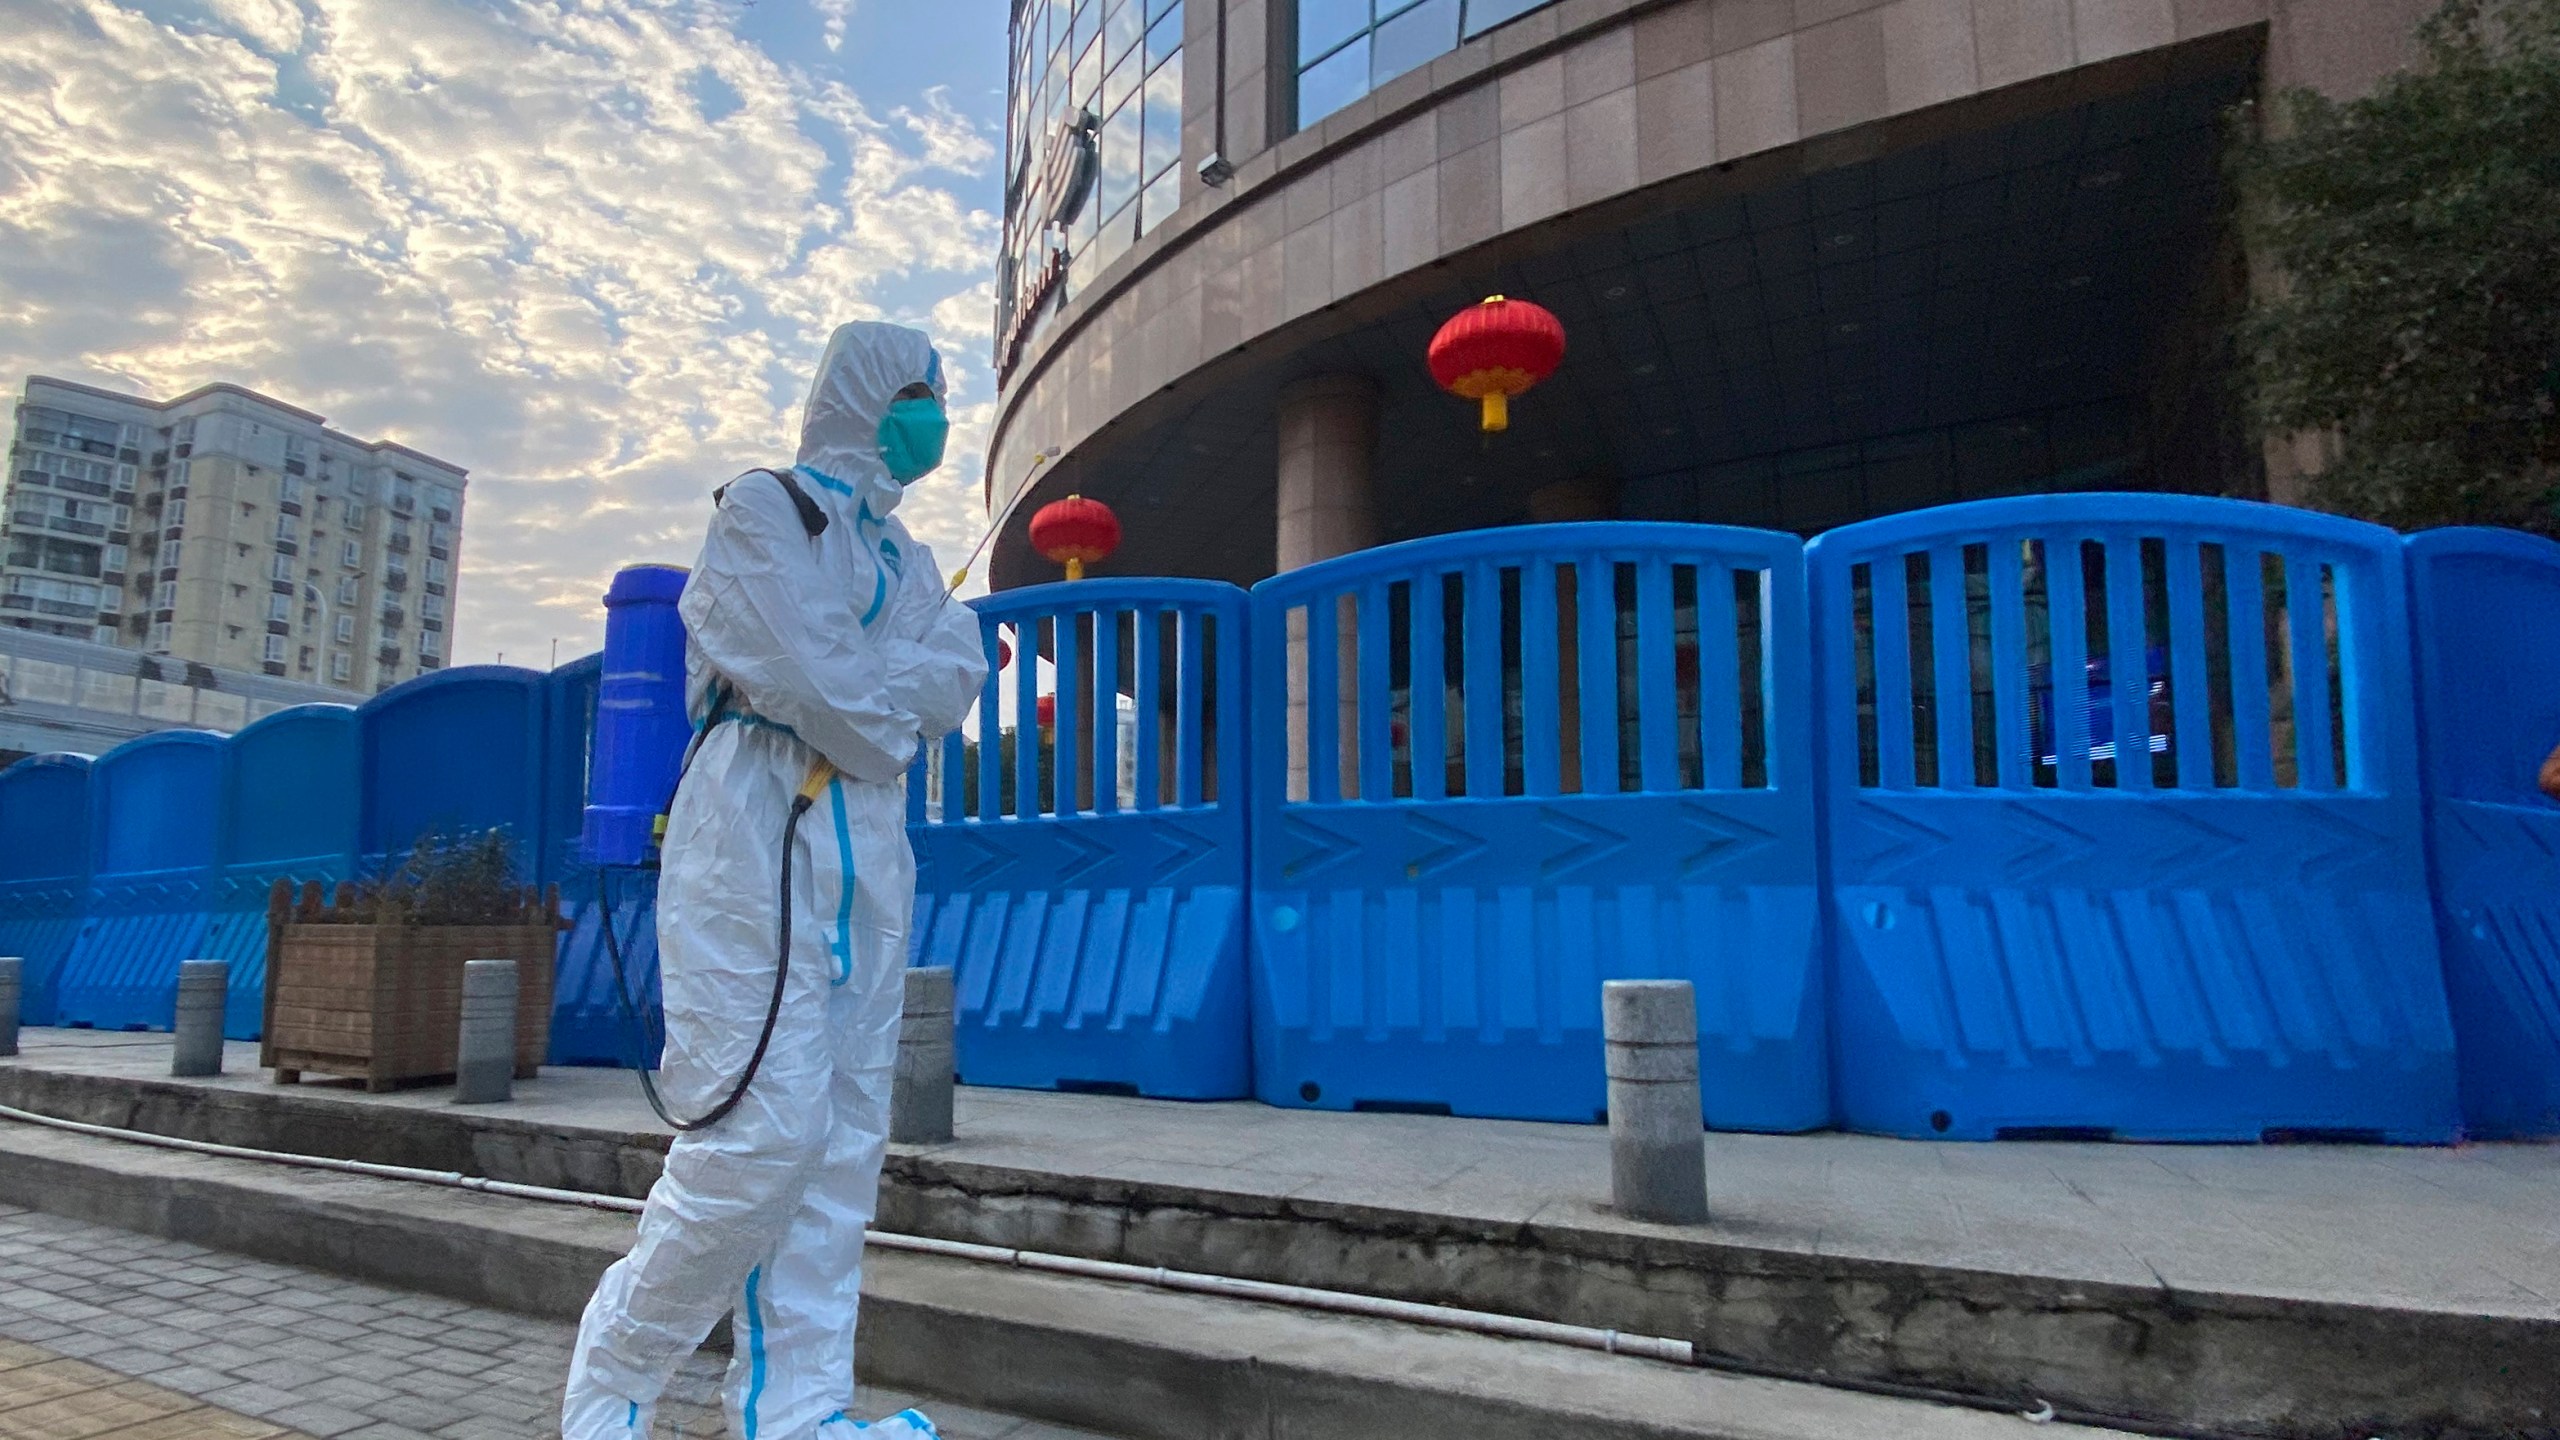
<point x="773" y="1008"/>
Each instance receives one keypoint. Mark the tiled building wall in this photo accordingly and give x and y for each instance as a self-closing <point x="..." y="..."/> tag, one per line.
<point x="1574" y="105"/>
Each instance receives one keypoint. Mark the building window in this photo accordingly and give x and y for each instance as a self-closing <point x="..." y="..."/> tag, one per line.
<point x="339" y="665"/>
<point x="1105" y="74"/>
<point x="106" y="635"/>
<point x="167" y="598"/>
<point x="275" y="650"/>
<point x="279" y="608"/>
<point x="347" y="588"/>
<point x="176" y="514"/>
<point x="432" y="607"/>
<point x="351" y="555"/>
<point x="1346" y="48"/>
<point x="160" y="635"/>
<point x="346" y="629"/>
<point x="303" y="662"/>
<point x="435" y="572"/>
<point x="282" y="569"/>
<point x="355" y="513"/>
<point x="289" y="488"/>
<point x="170" y="552"/>
<point x="286" y="530"/>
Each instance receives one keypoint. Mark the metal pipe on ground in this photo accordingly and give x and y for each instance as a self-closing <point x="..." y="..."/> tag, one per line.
<point x="203" y="985"/>
<point x="922" y="1094"/>
<point x="1677" y="1352"/>
<point x="1657" y="1131"/>
<point x="484" y="1069"/>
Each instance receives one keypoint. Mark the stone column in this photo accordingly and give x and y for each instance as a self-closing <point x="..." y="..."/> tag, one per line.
<point x="1328" y="507"/>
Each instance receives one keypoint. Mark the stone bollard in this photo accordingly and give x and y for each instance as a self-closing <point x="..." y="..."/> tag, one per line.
<point x="203" y="986"/>
<point x="12" y="974"/>
<point x="1657" y="1138"/>
<point x="920" y="1097"/>
<point x="484" y="1067"/>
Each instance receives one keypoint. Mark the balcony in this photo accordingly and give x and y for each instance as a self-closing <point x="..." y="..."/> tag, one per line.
<point x="387" y="655"/>
<point x="397" y="581"/>
<point x="398" y="544"/>
<point x="440" y="552"/>
<point x="279" y="627"/>
<point x="430" y="662"/>
<point x="287" y="547"/>
<point x="282" y="587"/>
<point x="435" y="587"/>
<point x="289" y="507"/>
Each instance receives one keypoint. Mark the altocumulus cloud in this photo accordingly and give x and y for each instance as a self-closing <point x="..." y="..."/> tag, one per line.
<point x="588" y="249"/>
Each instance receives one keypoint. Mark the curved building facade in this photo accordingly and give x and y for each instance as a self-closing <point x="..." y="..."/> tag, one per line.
<point x="1817" y="259"/>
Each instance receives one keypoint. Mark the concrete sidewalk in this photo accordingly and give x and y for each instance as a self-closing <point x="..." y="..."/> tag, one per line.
<point x="2468" y="1229"/>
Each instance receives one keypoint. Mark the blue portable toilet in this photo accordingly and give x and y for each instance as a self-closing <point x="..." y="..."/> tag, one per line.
<point x="452" y="753"/>
<point x="155" y="807"/>
<point x="44" y="870"/>
<point x="289" y="813"/>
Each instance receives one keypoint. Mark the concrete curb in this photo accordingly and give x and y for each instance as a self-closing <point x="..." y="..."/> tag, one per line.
<point x="2199" y="1360"/>
<point x="1136" y="1361"/>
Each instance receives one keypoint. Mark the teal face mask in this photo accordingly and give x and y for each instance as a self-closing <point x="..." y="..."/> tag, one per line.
<point x="911" y="438"/>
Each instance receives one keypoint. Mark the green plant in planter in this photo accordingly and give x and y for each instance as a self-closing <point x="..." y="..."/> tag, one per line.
<point x="467" y="879"/>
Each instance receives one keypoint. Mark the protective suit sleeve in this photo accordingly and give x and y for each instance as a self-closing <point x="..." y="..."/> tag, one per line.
<point x="935" y="660"/>
<point x="762" y="613"/>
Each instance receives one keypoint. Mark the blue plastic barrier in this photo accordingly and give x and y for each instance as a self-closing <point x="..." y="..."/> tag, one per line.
<point x="1546" y="757"/>
<point x="44" y="871"/>
<point x="2487" y="627"/>
<point x="2229" y="940"/>
<point x="288" y="813"/>
<point x="1091" y="900"/>
<point x="451" y="753"/>
<point x="155" y="829"/>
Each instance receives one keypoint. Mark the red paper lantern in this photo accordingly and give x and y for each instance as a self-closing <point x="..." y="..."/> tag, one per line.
<point x="1493" y="351"/>
<point x="1046" y="711"/>
<point x="1075" y="532"/>
<point x="1004" y="653"/>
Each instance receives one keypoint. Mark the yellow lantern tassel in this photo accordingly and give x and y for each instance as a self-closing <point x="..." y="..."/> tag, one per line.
<point x="1497" y="411"/>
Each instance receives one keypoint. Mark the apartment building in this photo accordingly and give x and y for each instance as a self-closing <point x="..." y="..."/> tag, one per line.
<point x="230" y="529"/>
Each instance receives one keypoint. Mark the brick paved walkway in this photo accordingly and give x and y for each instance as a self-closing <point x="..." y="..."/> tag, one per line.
<point x="46" y="1397"/>
<point x="304" y="1353"/>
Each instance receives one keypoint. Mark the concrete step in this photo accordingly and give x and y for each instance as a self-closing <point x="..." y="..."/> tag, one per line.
<point x="2268" y="1323"/>
<point x="1133" y="1360"/>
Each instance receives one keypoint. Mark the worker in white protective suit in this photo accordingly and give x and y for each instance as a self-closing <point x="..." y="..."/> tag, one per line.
<point x="822" y="649"/>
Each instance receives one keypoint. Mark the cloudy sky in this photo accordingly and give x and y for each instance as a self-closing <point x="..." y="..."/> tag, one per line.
<point x="588" y="249"/>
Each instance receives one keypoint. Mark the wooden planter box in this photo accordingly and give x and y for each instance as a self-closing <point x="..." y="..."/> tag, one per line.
<point x="383" y="1003"/>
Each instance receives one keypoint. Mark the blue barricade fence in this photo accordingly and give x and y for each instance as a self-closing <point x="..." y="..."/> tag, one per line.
<point x="1493" y="770"/>
<point x="2486" y="622"/>
<point x="288" y="813"/>
<point x="1085" y="879"/>
<point x="2066" y="894"/>
<point x="2225" y="937"/>
<point x="155" y="838"/>
<point x="44" y="871"/>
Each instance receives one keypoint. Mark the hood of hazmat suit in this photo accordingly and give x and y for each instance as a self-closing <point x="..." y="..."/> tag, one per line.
<point x="821" y="652"/>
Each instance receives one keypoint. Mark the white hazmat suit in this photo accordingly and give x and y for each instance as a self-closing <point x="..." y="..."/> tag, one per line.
<point x="840" y="647"/>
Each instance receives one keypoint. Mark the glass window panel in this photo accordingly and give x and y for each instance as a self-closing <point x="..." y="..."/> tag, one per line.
<point x="1334" y="83"/>
<point x="1414" y="38"/>
<point x="1483" y="15"/>
<point x="1114" y="240"/>
<point x="1159" y="7"/>
<point x="1165" y="39"/>
<point x="1088" y="23"/>
<point x="1119" y="160"/>
<point x="1121" y="27"/>
<point x="1323" y="24"/>
<point x="1088" y="83"/>
<point x="1164" y="118"/>
<point x="1164" y="194"/>
<point x="1389" y="9"/>
<point x="1123" y="84"/>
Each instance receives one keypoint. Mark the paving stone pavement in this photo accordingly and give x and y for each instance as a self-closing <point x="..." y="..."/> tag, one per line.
<point x="283" y="1352"/>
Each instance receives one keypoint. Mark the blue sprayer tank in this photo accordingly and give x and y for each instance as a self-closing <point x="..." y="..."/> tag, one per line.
<point x="641" y="728"/>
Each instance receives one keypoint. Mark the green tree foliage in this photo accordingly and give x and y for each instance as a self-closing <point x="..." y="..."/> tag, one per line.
<point x="2417" y="236"/>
